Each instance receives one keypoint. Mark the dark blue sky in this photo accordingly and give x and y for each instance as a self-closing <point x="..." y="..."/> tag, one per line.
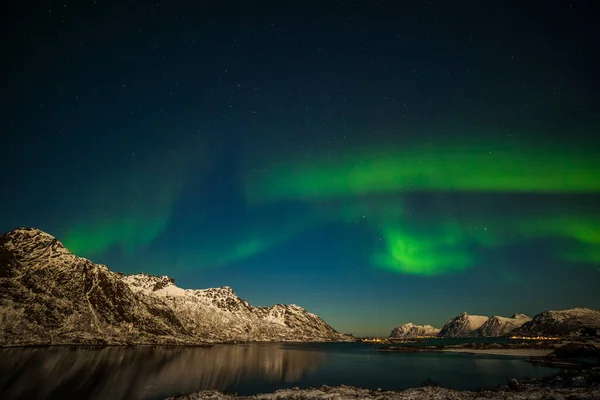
<point x="374" y="162"/>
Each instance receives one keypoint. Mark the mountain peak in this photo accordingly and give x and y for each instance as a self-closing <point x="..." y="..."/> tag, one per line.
<point x="412" y="330"/>
<point x="29" y="232"/>
<point x="222" y="291"/>
<point x="33" y="248"/>
<point x="574" y="321"/>
<point x="25" y="238"/>
<point x="463" y="325"/>
<point x="501" y="326"/>
<point x="60" y="298"/>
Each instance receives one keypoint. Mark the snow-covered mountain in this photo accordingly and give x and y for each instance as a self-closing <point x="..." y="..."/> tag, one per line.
<point x="575" y="321"/>
<point x="50" y="296"/>
<point x="219" y="314"/>
<point x="464" y="325"/>
<point x="501" y="326"/>
<point x="411" y="330"/>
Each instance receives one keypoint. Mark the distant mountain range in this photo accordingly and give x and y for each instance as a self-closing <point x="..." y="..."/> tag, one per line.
<point x="501" y="326"/>
<point x="466" y="325"/>
<point x="50" y="296"/>
<point x="576" y="321"/>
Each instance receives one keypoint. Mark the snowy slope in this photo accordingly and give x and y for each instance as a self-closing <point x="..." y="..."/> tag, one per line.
<point x="219" y="314"/>
<point x="575" y="321"/>
<point x="464" y="325"/>
<point x="411" y="330"/>
<point x="50" y="296"/>
<point x="501" y="326"/>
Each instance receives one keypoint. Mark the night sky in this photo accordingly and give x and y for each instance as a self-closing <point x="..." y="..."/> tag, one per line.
<point x="374" y="162"/>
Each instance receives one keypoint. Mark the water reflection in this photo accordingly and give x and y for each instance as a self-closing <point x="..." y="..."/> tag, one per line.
<point x="145" y="373"/>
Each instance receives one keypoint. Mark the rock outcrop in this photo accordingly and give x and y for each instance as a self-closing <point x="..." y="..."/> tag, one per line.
<point x="410" y="331"/>
<point x="50" y="296"/>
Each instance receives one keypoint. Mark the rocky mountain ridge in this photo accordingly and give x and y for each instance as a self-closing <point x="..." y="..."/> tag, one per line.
<point x="410" y="331"/>
<point x="466" y="325"/>
<point x="463" y="325"/>
<point x="232" y="314"/>
<point x="571" y="322"/>
<point x="575" y="321"/>
<point x="50" y="296"/>
<point x="501" y="326"/>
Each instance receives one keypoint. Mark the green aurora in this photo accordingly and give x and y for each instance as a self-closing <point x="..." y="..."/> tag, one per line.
<point x="373" y="188"/>
<point x="372" y="169"/>
<point x="442" y="241"/>
<point x="423" y="255"/>
<point x="494" y="166"/>
<point x="446" y="244"/>
<point x="132" y="209"/>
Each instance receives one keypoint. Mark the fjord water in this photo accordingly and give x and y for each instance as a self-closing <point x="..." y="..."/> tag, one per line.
<point x="159" y="372"/>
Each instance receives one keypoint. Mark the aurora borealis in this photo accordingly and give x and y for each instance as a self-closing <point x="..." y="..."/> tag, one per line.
<point x="501" y="165"/>
<point x="390" y="164"/>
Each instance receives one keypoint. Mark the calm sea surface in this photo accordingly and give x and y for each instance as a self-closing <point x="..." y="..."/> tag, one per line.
<point x="159" y="372"/>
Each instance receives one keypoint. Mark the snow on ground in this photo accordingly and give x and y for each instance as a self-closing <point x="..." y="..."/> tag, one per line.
<point x="475" y="321"/>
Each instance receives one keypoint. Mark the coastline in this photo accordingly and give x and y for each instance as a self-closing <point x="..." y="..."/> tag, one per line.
<point x="189" y="369"/>
<point x="101" y="346"/>
<point x="166" y="344"/>
<point x="579" y="384"/>
<point x="530" y="349"/>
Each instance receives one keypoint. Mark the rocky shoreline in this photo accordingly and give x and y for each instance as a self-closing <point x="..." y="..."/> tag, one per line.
<point x="568" y="384"/>
<point x="538" y="345"/>
<point x="582" y="354"/>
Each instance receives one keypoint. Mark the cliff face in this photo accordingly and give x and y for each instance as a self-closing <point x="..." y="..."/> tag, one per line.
<point x="50" y="296"/>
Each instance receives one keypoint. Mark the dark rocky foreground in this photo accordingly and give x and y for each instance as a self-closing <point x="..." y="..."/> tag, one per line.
<point x="571" y="385"/>
<point x="572" y="355"/>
